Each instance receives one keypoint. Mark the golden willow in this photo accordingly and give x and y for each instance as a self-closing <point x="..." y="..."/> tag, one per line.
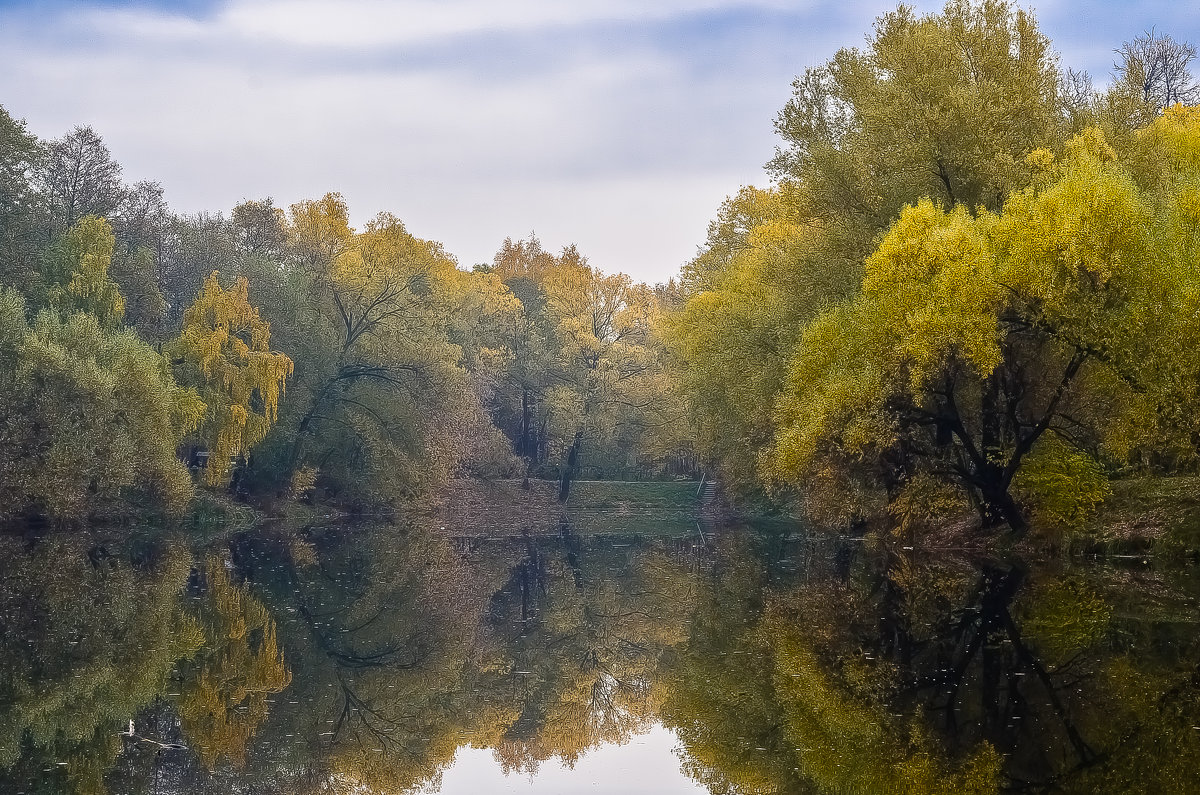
<point x="224" y="349"/>
<point x="224" y="700"/>
<point x="76" y="272"/>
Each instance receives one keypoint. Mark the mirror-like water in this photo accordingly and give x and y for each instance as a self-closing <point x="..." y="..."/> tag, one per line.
<point x="738" y="660"/>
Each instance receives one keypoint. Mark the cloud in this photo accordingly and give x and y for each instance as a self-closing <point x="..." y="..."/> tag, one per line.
<point x="616" y="125"/>
<point x="376" y="23"/>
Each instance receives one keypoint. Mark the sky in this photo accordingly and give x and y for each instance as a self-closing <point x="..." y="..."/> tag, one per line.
<point x="616" y="125"/>
<point x="646" y="765"/>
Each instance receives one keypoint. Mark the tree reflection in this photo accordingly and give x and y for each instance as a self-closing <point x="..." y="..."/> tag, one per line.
<point x="360" y="659"/>
<point x="906" y="674"/>
<point x="223" y="700"/>
<point x="89" y="635"/>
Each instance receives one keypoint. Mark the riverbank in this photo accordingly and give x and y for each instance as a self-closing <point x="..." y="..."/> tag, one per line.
<point x="502" y="507"/>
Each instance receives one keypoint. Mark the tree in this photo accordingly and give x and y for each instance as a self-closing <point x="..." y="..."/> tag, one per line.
<point x="193" y="247"/>
<point x="1009" y="354"/>
<point x="89" y="418"/>
<point x="140" y="227"/>
<point x="383" y="401"/>
<point x="224" y="351"/>
<point x="75" y="272"/>
<point x="759" y="279"/>
<point x="80" y="178"/>
<point x="611" y="372"/>
<point x="21" y="206"/>
<point x="1156" y="67"/>
<point x="944" y="105"/>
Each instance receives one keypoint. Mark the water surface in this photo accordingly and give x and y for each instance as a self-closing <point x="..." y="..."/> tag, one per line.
<point x="375" y="658"/>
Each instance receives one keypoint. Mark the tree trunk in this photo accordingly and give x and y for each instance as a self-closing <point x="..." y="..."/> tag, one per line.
<point x="999" y="506"/>
<point x="569" y="471"/>
<point x="526" y="443"/>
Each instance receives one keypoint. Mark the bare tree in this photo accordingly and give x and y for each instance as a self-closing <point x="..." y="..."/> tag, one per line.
<point x="80" y="178"/>
<point x="1076" y="93"/>
<point x="1157" y="66"/>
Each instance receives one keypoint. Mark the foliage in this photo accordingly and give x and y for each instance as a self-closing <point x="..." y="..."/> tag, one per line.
<point x="224" y="351"/>
<point x="584" y="378"/>
<point x="76" y="272"/>
<point x="21" y="207"/>
<point x="91" y="418"/>
<point x="975" y="336"/>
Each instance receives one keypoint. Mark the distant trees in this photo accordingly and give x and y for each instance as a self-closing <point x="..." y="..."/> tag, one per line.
<point x="585" y="368"/>
<point x="399" y="367"/>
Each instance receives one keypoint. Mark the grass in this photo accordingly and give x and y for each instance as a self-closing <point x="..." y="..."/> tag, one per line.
<point x="595" y="507"/>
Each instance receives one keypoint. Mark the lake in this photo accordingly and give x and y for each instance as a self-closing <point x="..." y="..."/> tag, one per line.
<point x="743" y="659"/>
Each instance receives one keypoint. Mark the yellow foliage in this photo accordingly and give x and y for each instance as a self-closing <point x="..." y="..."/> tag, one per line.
<point x="81" y="260"/>
<point x="224" y="697"/>
<point x="224" y="350"/>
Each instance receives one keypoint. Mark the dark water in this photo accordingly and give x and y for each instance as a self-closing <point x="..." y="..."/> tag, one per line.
<point x="734" y="660"/>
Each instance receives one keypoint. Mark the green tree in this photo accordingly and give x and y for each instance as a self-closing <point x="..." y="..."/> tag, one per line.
<point x="75" y="272"/>
<point x="21" y="205"/>
<point x="384" y="401"/>
<point x="80" y="178"/>
<point x="89" y="418"/>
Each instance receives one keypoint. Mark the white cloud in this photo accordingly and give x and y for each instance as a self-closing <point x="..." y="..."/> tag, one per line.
<point x="471" y="119"/>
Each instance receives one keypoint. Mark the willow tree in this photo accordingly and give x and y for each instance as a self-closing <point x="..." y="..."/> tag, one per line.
<point x="1010" y="354"/>
<point x="75" y="272"/>
<point x="224" y="351"/>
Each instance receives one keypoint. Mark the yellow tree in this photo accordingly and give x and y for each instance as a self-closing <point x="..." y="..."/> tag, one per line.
<point x="75" y="272"/>
<point x="611" y="372"/>
<point x="1009" y="354"/>
<point x="224" y="351"/>
<point x="759" y="279"/>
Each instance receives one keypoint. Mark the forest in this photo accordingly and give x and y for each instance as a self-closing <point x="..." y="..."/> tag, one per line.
<point x="970" y="289"/>
<point x="280" y="354"/>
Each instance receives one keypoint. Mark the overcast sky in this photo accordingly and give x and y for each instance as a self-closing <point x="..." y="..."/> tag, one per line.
<point x="619" y="125"/>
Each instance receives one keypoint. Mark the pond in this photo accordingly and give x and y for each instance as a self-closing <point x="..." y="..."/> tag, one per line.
<point x="376" y="658"/>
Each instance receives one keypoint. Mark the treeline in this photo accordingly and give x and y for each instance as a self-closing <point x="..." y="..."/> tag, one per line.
<point x="972" y="285"/>
<point x="283" y="354"/>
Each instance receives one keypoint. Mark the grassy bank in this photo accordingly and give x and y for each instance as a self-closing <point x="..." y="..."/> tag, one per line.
<point x="595" y="507"/>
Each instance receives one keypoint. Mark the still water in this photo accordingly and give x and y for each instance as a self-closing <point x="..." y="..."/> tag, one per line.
<point x="375" y="658"/>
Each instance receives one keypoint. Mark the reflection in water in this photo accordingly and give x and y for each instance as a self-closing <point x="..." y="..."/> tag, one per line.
<point x="364" y="658"/>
